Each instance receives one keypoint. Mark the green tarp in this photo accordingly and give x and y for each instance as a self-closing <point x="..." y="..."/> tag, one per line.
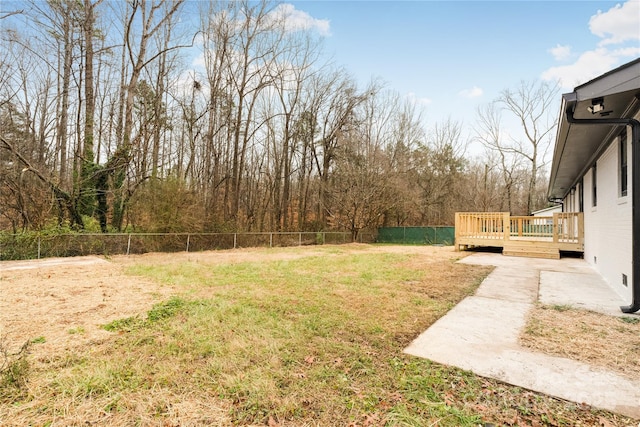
<point x="417" y="235"/>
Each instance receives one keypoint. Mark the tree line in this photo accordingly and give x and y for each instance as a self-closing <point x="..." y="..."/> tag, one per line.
<point x="106" y="124"/>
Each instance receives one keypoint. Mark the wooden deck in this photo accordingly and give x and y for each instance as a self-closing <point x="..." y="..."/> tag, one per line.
<point x="534" y="236"/>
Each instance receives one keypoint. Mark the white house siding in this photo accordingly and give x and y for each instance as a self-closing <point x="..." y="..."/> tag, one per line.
<point x="548" y="211"/>
<point x="608" y="226"/>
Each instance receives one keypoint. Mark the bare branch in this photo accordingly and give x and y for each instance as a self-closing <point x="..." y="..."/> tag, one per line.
<point x="4" y="15"/>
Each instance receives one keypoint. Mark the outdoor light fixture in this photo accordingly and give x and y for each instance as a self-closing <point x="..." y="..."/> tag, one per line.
<point x="597" y="105"/>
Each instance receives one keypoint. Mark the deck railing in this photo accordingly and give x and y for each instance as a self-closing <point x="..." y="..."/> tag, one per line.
<point x="531" y="226"/>
<point x="483" y="225"/>
<point x="474" y="228"/>
<point x="568" y="227"/>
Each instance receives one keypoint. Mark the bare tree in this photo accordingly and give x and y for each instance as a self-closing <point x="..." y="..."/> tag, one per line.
<point x="62" y="196"/>
<point x="406" y="134"/>
<point x="150" y="16"/>
<point x="481" y="186"/>
<point x="291" y="77"/>
<point x="65" y="38"/>
<point x="337" y="97"/>
<point x="360" y="193"/>
<point x="489" y="133"/>
<point x="438" y="167"/>
<point x="530" y="104"/>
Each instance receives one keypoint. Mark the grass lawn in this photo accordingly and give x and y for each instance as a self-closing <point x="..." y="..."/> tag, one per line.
<point x="279" y="337"/>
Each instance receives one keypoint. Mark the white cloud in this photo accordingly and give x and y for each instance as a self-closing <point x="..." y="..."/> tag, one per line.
<point x="198" y="61"/>
<point x="298" y="20"/>
<point x="588" y="66"/>
<point x="619" y="29"/>
<point x="474" y="92"/>
<point x="619" y="24"/>
<point x="561" y="53"/>
<point x="423" y="102"/>
<point x="185" y="83"/>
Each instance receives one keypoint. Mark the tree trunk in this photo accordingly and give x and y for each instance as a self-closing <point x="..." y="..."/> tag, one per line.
<point x="87" y="185"/>
<point x="64" y="106"/>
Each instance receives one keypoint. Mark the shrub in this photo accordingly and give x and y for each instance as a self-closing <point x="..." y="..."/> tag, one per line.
<point x="14" y="371"/>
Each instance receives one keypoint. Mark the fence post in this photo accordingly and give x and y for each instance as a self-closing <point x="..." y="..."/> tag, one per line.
<point x="299" y="239"/>
<point x="129" y="244"/>
<point x="39" y="247"/>
<point x="235" y="240"/>
<point x="270" y="240"/>
<point x="188" y="237"/>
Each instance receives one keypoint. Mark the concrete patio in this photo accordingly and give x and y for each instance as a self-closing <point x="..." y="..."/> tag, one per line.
<point x="481" y="333"/>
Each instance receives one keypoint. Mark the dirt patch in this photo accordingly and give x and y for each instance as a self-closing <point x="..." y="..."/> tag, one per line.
<point x="60" y="304"/>
<point x="596" y="339"/>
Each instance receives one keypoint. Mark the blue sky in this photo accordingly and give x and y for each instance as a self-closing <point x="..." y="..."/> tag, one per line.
<point x="452" y="56"/>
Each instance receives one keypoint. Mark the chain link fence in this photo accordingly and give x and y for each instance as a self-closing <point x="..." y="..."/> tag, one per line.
<point x="33" y="246"/>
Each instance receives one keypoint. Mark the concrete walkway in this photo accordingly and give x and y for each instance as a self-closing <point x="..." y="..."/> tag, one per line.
<point x="481" y="333"/>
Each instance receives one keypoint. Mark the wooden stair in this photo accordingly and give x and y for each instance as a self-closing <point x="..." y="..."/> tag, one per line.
<point x="530" y="250"/>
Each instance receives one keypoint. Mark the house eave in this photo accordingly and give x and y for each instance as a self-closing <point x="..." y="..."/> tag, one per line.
<point x="578" y="147"/>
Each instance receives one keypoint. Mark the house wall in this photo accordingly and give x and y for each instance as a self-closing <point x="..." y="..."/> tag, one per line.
<point x="548" y="211"/>
<point x="608" y="226"/>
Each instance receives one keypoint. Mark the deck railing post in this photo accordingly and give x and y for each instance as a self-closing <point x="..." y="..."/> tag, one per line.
<point x="506" y="225"/>
<point x="580" y="228"/>
<point x="456" y="231"/>
<point x="555" y="227"/>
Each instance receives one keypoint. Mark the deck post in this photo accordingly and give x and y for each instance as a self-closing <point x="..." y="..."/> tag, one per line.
<point x="456" y="232"/>
<point x="519" y="227"/>
<point x="581" y="228"/>
<point x="555" y="227"/>
<point x="506" y="225"/>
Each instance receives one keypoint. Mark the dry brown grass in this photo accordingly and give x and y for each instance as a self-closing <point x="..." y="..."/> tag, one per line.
<point x="596" y="339"/>
<point x="154" y="408"/>
<point x="62" y="303"/>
